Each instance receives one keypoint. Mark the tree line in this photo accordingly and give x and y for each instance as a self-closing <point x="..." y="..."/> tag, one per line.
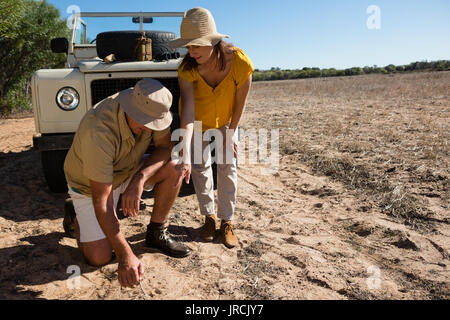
<point x="26" y="28"/>
<point x="278" y="74"/>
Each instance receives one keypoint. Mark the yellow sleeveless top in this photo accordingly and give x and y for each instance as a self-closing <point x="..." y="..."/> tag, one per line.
<point x="214" y="106"/>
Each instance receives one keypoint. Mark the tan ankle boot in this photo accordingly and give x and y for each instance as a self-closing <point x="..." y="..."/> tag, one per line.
<point x="228" y="235"/>
<point x="208" y="230"/>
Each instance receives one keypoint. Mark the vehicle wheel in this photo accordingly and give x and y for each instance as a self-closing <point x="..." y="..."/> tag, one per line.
<point x="53" y="167"/>
<point x="122" y="43"/>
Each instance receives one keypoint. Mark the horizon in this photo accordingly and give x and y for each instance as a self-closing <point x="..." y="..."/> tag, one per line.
<point x="372" y="66"/>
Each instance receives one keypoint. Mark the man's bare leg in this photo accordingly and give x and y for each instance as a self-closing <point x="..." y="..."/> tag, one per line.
<point x="97" y="253"/>
<point x="166" y="192"/>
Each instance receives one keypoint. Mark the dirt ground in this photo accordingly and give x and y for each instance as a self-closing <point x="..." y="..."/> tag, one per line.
<point x="358" y="209"/>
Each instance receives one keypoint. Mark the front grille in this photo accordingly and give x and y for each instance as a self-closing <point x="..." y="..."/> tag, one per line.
<point x="101" y="89"/>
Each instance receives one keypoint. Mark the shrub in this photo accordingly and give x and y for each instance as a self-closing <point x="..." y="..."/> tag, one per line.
<point x="390" y="68"/>
<point x="25" y="48"/>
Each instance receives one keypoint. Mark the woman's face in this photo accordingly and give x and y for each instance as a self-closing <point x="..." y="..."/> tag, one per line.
<point x="200" y="54"/>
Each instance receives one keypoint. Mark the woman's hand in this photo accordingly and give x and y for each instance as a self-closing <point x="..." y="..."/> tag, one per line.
<point x="184" y="171"/>
<point x="230" y="146"/>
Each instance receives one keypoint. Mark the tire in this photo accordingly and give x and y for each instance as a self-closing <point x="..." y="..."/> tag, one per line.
<point x="53" y="167"/>
<point x="122" y="43"/>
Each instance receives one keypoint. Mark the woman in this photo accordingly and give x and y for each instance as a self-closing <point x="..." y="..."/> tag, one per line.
<point x="215" y="79"/>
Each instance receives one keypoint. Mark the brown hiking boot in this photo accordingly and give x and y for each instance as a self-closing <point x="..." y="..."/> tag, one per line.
<point x="229" y="237"/>
<point x="208" y="230"/>
<point x="161" y="239"/>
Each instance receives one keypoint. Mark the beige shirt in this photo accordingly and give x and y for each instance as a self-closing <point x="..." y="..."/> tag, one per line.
<point x="104" y="148"/>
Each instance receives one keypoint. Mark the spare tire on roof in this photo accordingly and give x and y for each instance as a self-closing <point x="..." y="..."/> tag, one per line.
<point x="123" y="43"/>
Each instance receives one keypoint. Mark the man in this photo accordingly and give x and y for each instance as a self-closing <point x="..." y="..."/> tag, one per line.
<point x="106" y="160"/>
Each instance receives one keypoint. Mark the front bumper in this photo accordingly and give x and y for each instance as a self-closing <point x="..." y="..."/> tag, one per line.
<point x="48" y="142"/>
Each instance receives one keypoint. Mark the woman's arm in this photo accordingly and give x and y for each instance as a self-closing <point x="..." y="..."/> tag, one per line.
<point x="186" y="123"/>
<point x="238" y="109"/>
<point x="187" y="115"/>
<point x="240" y="102"/>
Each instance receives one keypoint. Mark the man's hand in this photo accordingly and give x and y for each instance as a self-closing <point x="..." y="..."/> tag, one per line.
<point x="130" y="268"/>
<point x="132" y="196"/>
<point x="131" y="271"/>
<point x="184" y="171"/>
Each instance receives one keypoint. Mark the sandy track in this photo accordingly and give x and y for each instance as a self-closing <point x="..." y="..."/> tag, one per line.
<point x="302" y="236"/>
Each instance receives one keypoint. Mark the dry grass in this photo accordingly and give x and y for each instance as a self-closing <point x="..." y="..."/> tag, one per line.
<point x="384" y="136"/>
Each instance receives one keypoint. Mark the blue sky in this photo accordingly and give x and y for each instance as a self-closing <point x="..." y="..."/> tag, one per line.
<point x="294" y="34"/>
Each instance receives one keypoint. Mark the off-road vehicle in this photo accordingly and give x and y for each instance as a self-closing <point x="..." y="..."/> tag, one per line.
<point x="96" y="69"/>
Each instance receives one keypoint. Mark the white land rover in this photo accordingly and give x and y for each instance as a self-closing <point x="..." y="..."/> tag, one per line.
<point x="61" y="97"/>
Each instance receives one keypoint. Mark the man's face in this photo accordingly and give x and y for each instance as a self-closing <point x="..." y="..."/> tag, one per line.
<point x="136" y="127"/>
<point x="139" y="128"/>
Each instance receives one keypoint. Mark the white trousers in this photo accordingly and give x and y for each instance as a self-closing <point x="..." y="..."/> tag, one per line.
<point x="202" y="177"/>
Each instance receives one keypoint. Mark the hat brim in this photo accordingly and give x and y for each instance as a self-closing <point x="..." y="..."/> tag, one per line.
<point x="210" y="40"/>
<point x="128" y="105"/>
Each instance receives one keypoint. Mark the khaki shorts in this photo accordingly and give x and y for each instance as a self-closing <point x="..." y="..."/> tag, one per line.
<point x="90" y="229"/>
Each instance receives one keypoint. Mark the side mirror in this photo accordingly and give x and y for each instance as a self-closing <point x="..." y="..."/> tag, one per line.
<point x="59" y="45"/>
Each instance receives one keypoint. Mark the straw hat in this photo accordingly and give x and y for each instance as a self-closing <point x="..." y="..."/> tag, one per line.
<point x="148" y="103"/>
<point x="197" y="29"/>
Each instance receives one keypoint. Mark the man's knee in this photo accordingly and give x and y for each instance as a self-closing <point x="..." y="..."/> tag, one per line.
<point x="168" y="171"/>
<point x="97" y="255"/>
<point x="171" y="169"/>
<point x="98" y="259"/>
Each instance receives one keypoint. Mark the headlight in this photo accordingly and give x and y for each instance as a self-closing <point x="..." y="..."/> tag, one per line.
<point x="67" y="98"/>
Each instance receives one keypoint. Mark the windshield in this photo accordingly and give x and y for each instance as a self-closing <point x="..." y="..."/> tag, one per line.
<point x="96" y="25"/>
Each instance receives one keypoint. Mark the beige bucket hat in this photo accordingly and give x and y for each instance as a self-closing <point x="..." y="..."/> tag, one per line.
<point x="148" y="103"/>
<point x="197" y="29"/>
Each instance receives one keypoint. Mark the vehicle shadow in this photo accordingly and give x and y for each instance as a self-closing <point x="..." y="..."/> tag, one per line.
<point x="24" y="194"/>
<point x="185" y="190"/>
<point x="43" y="260"/>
